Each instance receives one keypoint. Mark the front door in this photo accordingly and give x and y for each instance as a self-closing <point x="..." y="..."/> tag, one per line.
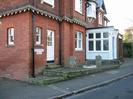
<point x="50" y="46"/>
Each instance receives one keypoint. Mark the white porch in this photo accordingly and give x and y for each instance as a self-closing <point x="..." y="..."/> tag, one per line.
<point x="101" y="41"/>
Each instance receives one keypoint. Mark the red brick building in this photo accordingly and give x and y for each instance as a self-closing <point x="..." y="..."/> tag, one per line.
<point x="34" y="33"/>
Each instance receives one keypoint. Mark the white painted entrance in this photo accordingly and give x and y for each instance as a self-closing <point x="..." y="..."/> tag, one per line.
<point x="50" y="46"/>
<point x="101" y="41"/>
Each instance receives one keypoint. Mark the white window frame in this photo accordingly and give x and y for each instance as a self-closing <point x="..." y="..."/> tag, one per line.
<point x="51" y="42"/>
<point x="39" y="35"/>
<point x="91" y="10"/>
<point x="11" y="36"/>
<point x="78" y="40"/>
<point x="51" y="2"/>
<point x="79" y="6"/>
<point x="107" y="38"/>
<point x="94" y="39"/>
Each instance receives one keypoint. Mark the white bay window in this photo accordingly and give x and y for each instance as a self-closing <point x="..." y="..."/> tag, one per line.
<point x="98" y="41"/>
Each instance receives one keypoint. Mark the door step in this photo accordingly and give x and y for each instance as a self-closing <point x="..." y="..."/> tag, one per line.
<point x="52" y="66"/>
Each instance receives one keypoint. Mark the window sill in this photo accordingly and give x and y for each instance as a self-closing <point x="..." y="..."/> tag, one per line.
<point x="13" y="45"/>
<point x="98" y="51"/>
<point x="81" y="13"/>
<point x="78" y="50"/>
<point x="39" y="45"/>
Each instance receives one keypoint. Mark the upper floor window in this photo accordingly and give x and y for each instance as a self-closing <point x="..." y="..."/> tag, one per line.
<point x="38" y="35"/>
<point x="91" y="10"/>
<point x="100" y="18"/>
<point x="78" y="41"/>
<point x="51" y="2"/>
<point x="10" y="36"/>
<point x="78" y="6"/>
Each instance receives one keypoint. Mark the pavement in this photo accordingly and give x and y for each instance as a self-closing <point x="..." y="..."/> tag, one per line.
<point x="122" y="89"/>
<point x="11" y="89"/>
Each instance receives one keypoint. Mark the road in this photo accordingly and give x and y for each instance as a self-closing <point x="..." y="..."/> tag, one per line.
<point x="122" y="89"/>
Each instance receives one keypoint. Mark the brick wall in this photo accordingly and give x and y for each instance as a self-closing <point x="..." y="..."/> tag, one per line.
<point x="77" y="14"/>
<point x="15" y="60"/>
<point x="68" y="42"/>
<point x="47" y="7"/>
<point x="9" y="4"/>
<point x="80" y="55"/>
<point x="46" y="24"/>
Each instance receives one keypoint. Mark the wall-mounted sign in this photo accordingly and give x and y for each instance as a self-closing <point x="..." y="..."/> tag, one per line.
<point x="39" y="51"/>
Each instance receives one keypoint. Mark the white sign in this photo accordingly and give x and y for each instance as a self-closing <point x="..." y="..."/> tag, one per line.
<point x="39" y="51"/>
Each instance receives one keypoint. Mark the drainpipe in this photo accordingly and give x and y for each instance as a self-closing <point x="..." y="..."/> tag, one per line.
<point x="85" y="27"/>
<point x="60" y="51"/>
<point x="33" y="54"/>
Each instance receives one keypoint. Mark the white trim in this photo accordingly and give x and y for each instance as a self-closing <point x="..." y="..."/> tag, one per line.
<point x="91" y="10"/>
<point x="51" y="2"/>
<point x="39" y="34"/>
<point x="78" y="39"/>
<point x="11" y="36"/>
<point x="94" y="42"/>
<point x="51" y="47"/>
<point x="79" y="6"/>
<point x="106" y="55"/>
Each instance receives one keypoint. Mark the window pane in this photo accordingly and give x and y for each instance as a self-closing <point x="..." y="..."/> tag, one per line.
<point x="98" y="35"/>
<point x="80" y="36"/>
<point x="98" y="45"/>
<point x="49" y="43"/>
<point x="105" y="45"/>
<point x="38" y="35"/>
<point x="49" y="38"/>
<point x="91" y="44"/>
<point x="78" y="40"/>
<point x="78" y="5"/>
<point x="37" y="38"/>
<point x="91" y="10"/>
<point x="79" y="43"/>
<point x="76" y="43"/>
<point x="105" y="35"/>
<point x="91" y="36"/>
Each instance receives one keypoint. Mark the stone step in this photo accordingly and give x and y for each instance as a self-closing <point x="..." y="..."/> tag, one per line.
<point x="52" y="66"/>
<point x="77" y="71"/>
<point x="61" y="74"/>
